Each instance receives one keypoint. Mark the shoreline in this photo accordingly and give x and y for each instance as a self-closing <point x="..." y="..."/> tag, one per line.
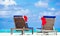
<point x="26" y="34"/>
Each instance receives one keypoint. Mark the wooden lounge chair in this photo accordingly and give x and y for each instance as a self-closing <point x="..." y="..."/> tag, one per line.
<point x="20" y="24"/>
<point x="48" y="27"/>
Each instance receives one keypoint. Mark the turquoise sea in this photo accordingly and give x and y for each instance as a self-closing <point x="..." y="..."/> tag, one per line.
<point x="9" y="30"/>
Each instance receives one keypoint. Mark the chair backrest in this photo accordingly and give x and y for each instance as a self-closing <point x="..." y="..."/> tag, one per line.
<point x="49" y="23"/>
<point x="19" y="22"/>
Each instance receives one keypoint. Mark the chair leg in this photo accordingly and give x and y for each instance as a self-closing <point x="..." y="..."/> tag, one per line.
<point x="32" y="31"/>
<point x="11" y="31"/>
<point x="56" y="33"/>
<point x="22" y="32"/>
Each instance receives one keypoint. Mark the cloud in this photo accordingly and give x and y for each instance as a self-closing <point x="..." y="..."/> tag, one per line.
<point x="50" y="13"/>
<point x="22" y="12"/>
<point x="47" y="13"/>
<point x="7" y="2"/>
<point x="1" y="1"/>
<point x="41" y="4"/>
<point x="11" y="8"/>
<point x="57" y="13"/>
<point x="51" y="9"/>
<point x="7" y="14"/>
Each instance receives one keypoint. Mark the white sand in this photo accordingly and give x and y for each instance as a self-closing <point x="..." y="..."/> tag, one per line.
<point x="35" y="34"/>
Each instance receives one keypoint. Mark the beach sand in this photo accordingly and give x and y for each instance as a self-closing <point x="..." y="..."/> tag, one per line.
<point x="35" y="34"/>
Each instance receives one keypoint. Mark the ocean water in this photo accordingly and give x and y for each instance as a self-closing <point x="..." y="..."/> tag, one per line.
<point x="9" y="30"/>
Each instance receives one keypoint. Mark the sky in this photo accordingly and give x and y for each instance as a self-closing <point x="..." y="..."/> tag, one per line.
<point x="33" y="9"/>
